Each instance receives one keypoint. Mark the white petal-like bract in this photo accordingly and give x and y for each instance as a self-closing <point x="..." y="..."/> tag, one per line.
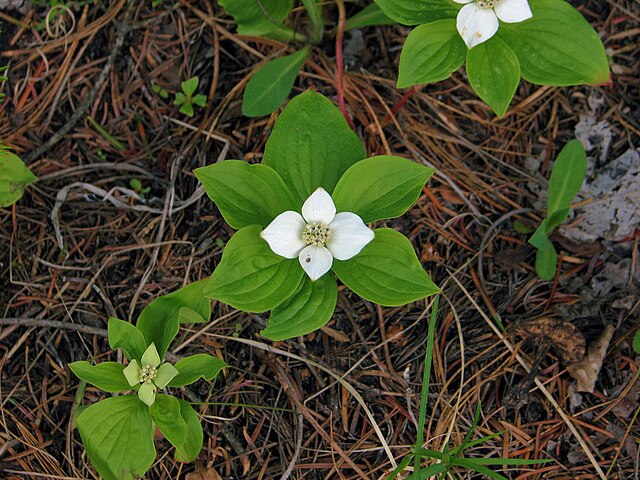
<point x="315" y="261"/>
<point x="513" y="11"/>
<point x="319" y="207"/>
<point x="284" y="234"/>
<point x="476" y="24"/>
<point x="349" y="235"/>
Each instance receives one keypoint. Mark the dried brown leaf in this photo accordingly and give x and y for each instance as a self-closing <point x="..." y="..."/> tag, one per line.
<point x="204" y="474"/>
<point x="565" y="337"/>
<point x="586" y="370"/>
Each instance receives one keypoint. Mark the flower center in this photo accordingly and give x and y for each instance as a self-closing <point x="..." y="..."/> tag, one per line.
<point x="316" y="234"/>
<point x="487" y="3"/>
<point x="148" y="374"/>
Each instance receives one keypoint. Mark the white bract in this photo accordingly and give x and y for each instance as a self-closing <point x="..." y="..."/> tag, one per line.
<point x="478" y="21"/>
<point x="151" y="375"/>
<point x="318" y="235"/>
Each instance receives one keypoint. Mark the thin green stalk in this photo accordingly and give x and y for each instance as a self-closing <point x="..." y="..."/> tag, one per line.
<point x="424" y="395"/>
<point x="317" y="21"/>
<point x="110" y="138"/>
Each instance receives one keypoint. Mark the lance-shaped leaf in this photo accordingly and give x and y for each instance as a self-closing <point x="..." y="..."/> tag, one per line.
<point x="180" y="424"/>
<point x="106" y="376"/>
<point x="195" y="367"/>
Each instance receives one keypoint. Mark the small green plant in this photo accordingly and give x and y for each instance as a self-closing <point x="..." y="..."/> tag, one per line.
<point x="567" y="176"/>
<point x="14" y="177"/>
<point x="161" y="91"/>
<point x="137" y="187"/>
<point x="636" y="342"/>
<point x="301" y="218"/>
<point x="118" y="432"/>
<point x="186" y="99"/>
<point x="451" y="457"/>
<point x="546" y="42"/>
<point x="3" y="78"/>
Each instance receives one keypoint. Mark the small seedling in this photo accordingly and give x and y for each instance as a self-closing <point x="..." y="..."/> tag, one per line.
<point x="546" y="42"/>
<point x="137" y="187"/>
<point x="14" y="177"/>
<point x="118" y="432"/>
<point x="3" y="78"/>
<point x="636" y="342"/>
<point x="186" y="99"/>
<point x="567" y="176"/>
<point x="301" y="218"/>
<point x="161" y="91"/>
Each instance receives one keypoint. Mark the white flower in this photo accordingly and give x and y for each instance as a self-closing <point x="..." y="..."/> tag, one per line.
<point x="150" y="376"/>
<point x="477" y="21"/>
<point x="318" y="235"/>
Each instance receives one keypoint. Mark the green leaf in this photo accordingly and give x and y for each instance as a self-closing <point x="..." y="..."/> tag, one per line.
<point x="636" y="341"/>
<point x="189" y="316"/>
<point x="192" y="444"/>
<point x="270" y="86"/>
<point x="566" y="180"/>
<point x="521" y="227"/>
<point x="250" y="276"/>
<point x="311" y="145"/>
<point x="246" y="194"/>
<point x="369" y="16"/>
<point x="539" y="238"/>
<point x="557" y="46"/>
<point x="200" y="100"/>
<point x="189" y="86"/>
<point x="159" y="321"/>
<point x="307" y="310"/>
<point x="176" y="422"/>
<point x="428" y="472"/>
<point x="494" y="73"/>
<point x="431" y="53"/>
<point x="180" y="99"/>
<point x="546" y="261"/>
<point x="381" y="187"/>
<point x="195" y="367"/>
<point x="106" y="376"/>
<point x="14" y="177"/>
<point x="127" y="337"/>
<point x="255" y="18"/>
<point x="511" y="461"/>
<point x="187" y="109"/>
<point x="387" y="271"/>
<point x="117" y="434"/>
<point x="414" y="12"/>
<point x="471" y="464"/>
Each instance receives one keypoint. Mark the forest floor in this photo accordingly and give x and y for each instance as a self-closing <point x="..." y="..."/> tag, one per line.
<point x="79" y="248"/>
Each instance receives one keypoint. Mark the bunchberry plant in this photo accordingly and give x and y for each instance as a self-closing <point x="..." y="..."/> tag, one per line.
<point x="118" y="432"/>
<point x="186" y="99"/>
<point x="14" y="177"/>
<point x="301" y="218"/>
<point x="546" y="42"/>
<point x="567" y="176"/>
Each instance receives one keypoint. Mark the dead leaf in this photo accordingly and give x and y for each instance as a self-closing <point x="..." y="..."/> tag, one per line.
<point x="204" y="474"/>
<point x="336" y="334"/>
<point x="565" y="337"/>
<point x="586" y="370"/>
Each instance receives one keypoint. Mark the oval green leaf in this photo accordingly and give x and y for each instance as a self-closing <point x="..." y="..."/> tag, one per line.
<point x="557" y="46"/>
<point x="381" y="187"/>
<point x="106" y="376"/>
<point x="567" y="177"/>
<point x="179" y="424"/>
<point x="387" y="271"/>
<point x="311" y="146"/>
<point x="117" y="434"/>
<point x="494" y="73"/>
<point x="255" y="18"/>
<point x="415" y="12"/>
<point x="195" y="367"/>
<point x="126" y="336"/>
<point x="270" y="86"/>
<point x="245" y="194"/>
<point x="159" y="321"/>
<point x="250" y="276"/>
<point x="14" y="177"/>
<point x="309" y="309"/>
<point x="431" y="53"/>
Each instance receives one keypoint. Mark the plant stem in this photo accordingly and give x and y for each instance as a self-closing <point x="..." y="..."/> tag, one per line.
<point x="340" y="62"/>
<point x="317" y="22"/>
<point x="424" y="395"/>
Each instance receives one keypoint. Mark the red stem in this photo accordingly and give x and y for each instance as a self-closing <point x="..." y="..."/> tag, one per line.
<point x="340" y="62"/>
